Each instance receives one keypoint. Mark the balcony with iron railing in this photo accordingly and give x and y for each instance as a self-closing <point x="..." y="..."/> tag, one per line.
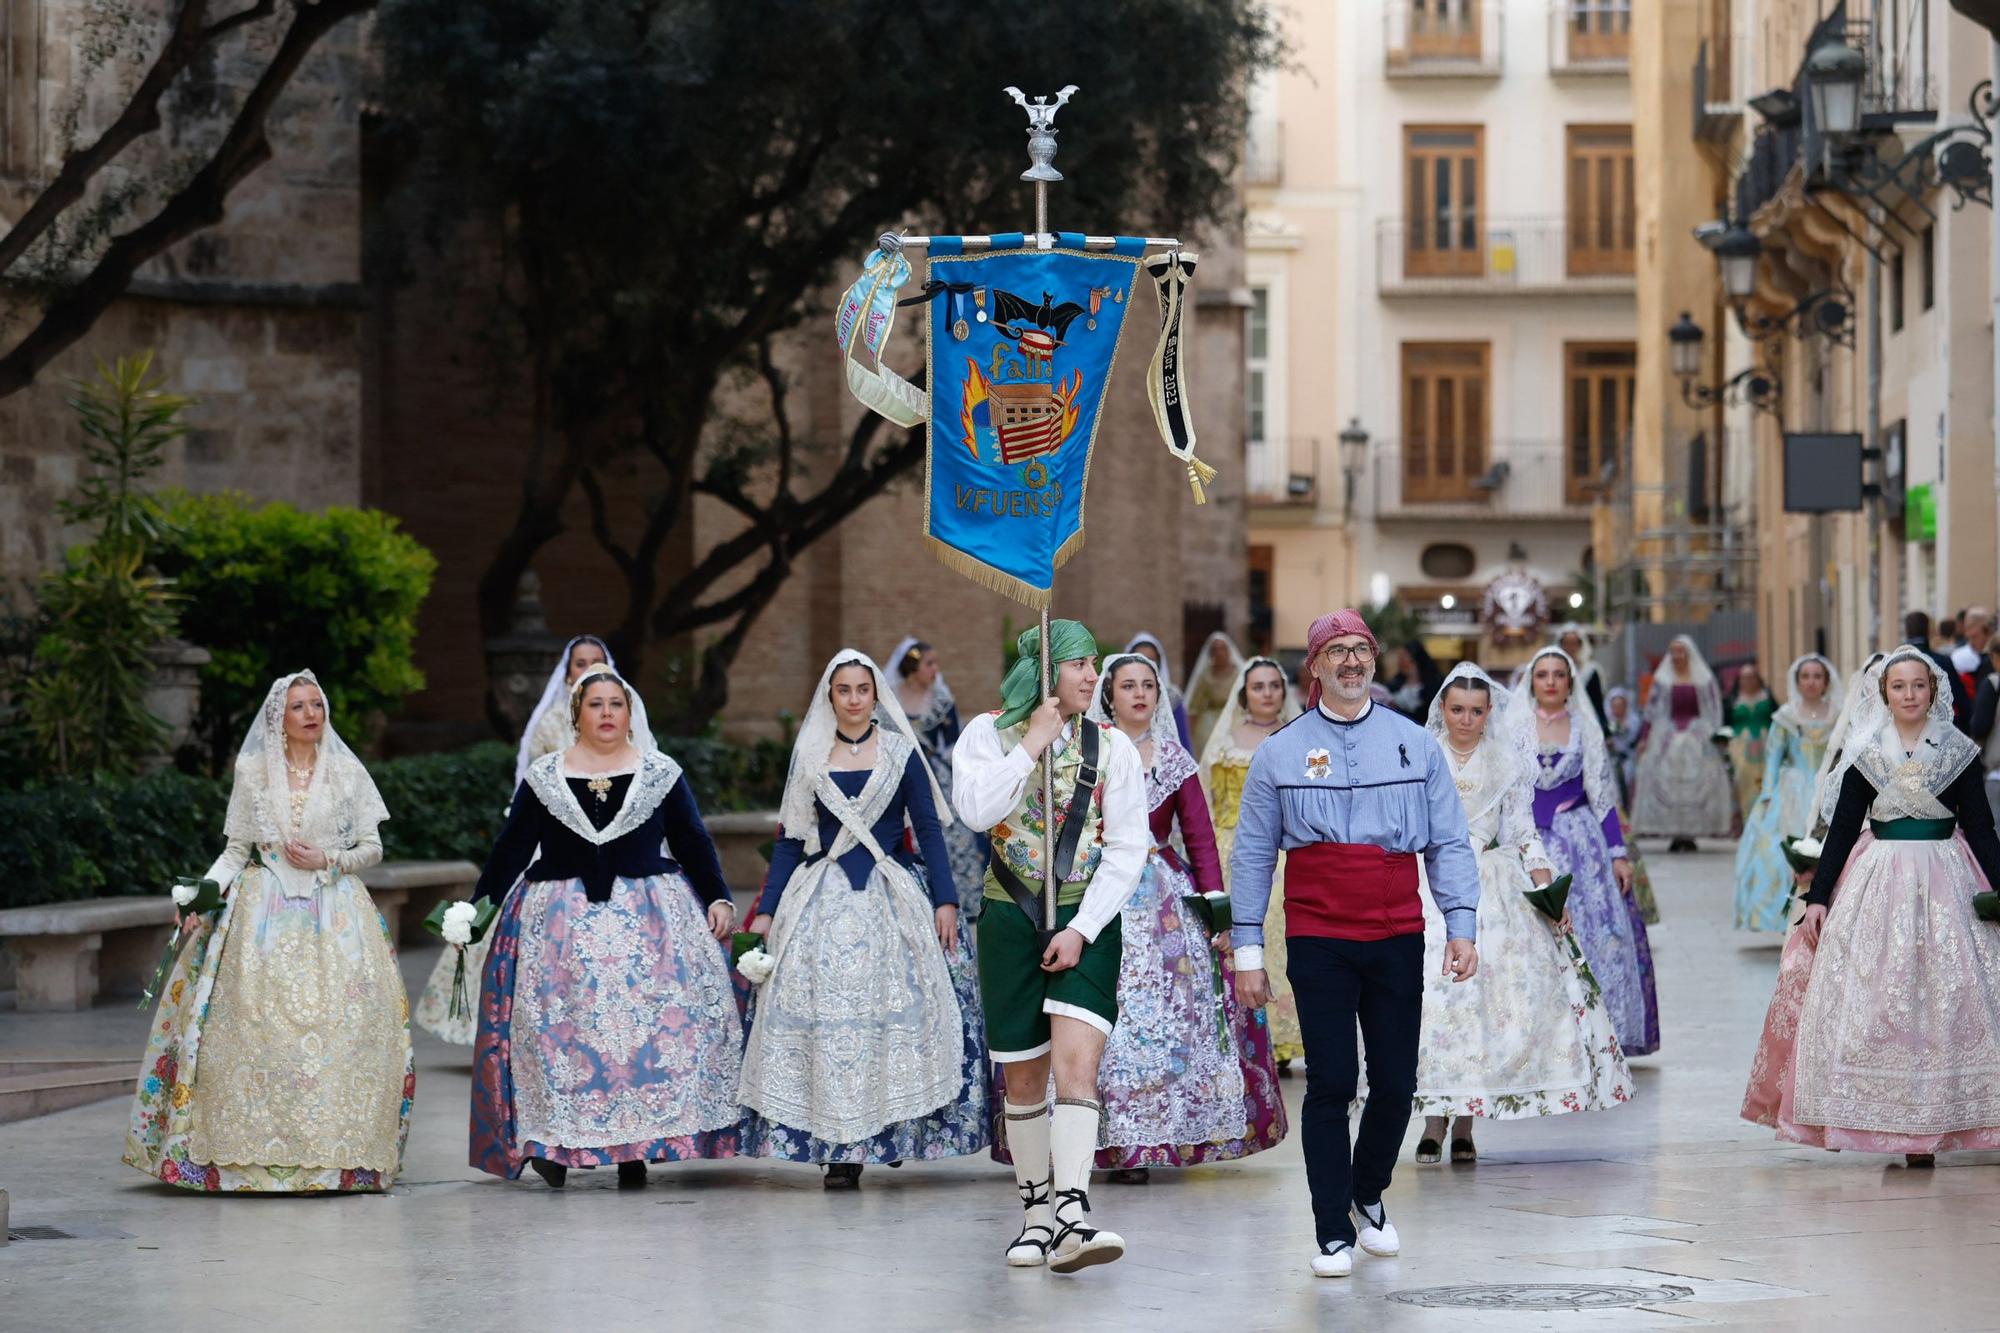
<point x="1284" y="473"/>
<point x="1590" y="36"/>
<point x="1899" y="87"/>
<point x="1441" y="39"/>
<point x="1466" y="256"/>
<point x="1513" y="482"/>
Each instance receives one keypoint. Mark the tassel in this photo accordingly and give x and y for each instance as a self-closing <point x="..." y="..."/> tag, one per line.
<point x="1198" y="473"/>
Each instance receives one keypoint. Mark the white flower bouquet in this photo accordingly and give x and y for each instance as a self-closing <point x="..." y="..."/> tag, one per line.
<point x="194" y="896"/>
<point x="756" y="965"/>
<point x="461" y="924"/>
<point x="1802" y="854"/>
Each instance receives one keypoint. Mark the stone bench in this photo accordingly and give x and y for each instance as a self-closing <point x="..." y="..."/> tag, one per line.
<point x="739" y="839"/>
<point x="66" y="953"/>
<point x="405" y="891"/>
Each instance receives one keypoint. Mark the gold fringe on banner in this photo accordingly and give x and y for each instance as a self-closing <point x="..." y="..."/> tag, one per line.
<point x="999" y="580"/>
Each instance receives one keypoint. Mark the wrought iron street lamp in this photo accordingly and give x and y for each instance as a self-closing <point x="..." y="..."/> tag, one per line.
<point x="1754" y="385"/>
<point x="1737" y="251"/>
<point x="1353" y="458"/>
<point x="1834" y="72"/>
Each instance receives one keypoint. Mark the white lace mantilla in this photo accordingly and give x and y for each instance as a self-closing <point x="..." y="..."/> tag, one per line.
<point x="1172" y="766"/>
<point x="656" y="777"/>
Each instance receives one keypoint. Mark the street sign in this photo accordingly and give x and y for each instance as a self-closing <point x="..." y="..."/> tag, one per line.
<point x="1822" y="473"/>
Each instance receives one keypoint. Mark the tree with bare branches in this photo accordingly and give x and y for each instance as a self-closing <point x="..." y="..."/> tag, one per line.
<point x="121" y="196"/>
<point x="675" y="183"/>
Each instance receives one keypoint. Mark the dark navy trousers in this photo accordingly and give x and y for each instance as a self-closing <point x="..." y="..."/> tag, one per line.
<point x="1377" y="986"/>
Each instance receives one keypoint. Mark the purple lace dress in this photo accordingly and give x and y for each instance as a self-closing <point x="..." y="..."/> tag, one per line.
<point x="1578" y="821"/>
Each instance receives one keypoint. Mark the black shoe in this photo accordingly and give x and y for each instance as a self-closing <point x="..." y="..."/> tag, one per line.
<point x="1284" y="1069"/>
<point x="631" y="1175"/>
<point x="842" y="1176"/>
<point x="1131" y="1175"/>
<point x="553" y="1172"/>
<point x="1682" y="845"/>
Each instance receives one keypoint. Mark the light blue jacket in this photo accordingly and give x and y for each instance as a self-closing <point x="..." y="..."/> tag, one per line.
<point x="1380" y="779"/>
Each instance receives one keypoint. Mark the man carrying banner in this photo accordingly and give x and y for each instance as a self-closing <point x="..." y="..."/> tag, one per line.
<point x="1050" y="999"/>
<point x="1352" y="793"/>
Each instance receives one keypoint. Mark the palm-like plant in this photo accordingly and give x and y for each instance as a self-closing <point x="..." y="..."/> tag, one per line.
<point x="85" y="702"/>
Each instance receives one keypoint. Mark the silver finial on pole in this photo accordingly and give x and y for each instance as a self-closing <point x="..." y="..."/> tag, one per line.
<point x="1041" y="132"/>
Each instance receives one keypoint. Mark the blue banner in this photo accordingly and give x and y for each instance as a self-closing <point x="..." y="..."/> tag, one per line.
<point x="1020" y="352"/>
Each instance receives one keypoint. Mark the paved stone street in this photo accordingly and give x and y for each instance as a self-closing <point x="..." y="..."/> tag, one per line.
<point x="1719" y="1225"/>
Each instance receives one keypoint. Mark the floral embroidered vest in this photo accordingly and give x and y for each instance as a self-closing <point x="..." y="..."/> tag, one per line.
<point x="1017" y="839"/>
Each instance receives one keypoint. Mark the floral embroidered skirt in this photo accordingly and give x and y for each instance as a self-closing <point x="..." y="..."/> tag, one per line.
<point x="608" y="1032"/>
<point x="859" y="1038"/>
<point x="1528" y="1035"/>
<point x="1684" y="788"/>
<point x="1187" y="1074"/>
<point x="959" y="1127"/>
<point x="279" y="1059"/>
<point x="433" y="1010"/>
<point x="1887" y="1037"/>
<point x="1610" y="928"/>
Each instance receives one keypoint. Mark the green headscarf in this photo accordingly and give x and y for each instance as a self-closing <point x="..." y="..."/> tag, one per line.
<point x="1068" y="640"/>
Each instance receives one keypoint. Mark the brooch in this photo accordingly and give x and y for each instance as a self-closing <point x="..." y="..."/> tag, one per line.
<point x="1318" y="764"/>
<point x="601" y="788"/>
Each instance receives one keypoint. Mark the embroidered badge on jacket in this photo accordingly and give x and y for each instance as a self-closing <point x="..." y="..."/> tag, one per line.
<point x="1319" y="763"/>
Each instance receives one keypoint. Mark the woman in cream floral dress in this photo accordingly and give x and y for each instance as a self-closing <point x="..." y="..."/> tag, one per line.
<point x="1529" y="1035"/>
<point x="279" y="1060"/>
<point x="1258" y="704"/>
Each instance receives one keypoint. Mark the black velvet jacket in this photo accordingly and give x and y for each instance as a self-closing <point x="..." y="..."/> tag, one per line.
<point x="1965" y="798"/>
<point x="667" y="838"/>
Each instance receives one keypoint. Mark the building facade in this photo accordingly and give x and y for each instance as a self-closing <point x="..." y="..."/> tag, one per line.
<point x="1443" y="247"/>
<point x="1840" y="397"/>
<point x="258" y="318"/>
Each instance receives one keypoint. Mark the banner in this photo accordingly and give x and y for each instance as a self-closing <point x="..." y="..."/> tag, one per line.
<point x="1021" y="347"/>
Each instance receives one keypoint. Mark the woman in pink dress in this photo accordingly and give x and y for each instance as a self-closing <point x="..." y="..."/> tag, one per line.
<point x="1884" y="1034"/>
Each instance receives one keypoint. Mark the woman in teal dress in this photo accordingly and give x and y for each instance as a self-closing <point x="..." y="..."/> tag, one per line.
<point x="1783" y="808"/>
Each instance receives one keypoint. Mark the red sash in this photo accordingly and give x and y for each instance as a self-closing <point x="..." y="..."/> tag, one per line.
<point x="1351" y="891"/>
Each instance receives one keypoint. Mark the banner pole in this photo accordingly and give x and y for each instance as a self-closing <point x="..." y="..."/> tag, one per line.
<point x="1048" y="679"/>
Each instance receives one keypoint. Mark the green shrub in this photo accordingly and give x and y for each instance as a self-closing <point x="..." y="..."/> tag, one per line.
<point x="84" y="839"/>
<point x="105" y="838"/>
<point x="726" y="776"/>
<point x="444" y="807"/>
<point x="270" y="588"/>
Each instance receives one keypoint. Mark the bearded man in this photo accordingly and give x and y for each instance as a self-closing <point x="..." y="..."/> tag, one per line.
<point x="1352" y="794"/>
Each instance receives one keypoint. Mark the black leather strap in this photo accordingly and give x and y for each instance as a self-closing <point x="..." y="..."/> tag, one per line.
<point x="1027" y="899"/>
<point x="1079" y="801"/>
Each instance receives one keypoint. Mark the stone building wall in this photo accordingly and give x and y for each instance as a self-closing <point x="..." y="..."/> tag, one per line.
<point x="447" y="444"/>
<point x="258" y="318"/>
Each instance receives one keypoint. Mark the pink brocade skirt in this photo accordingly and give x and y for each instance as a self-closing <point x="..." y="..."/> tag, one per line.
<point x="1886" y="1038"/>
